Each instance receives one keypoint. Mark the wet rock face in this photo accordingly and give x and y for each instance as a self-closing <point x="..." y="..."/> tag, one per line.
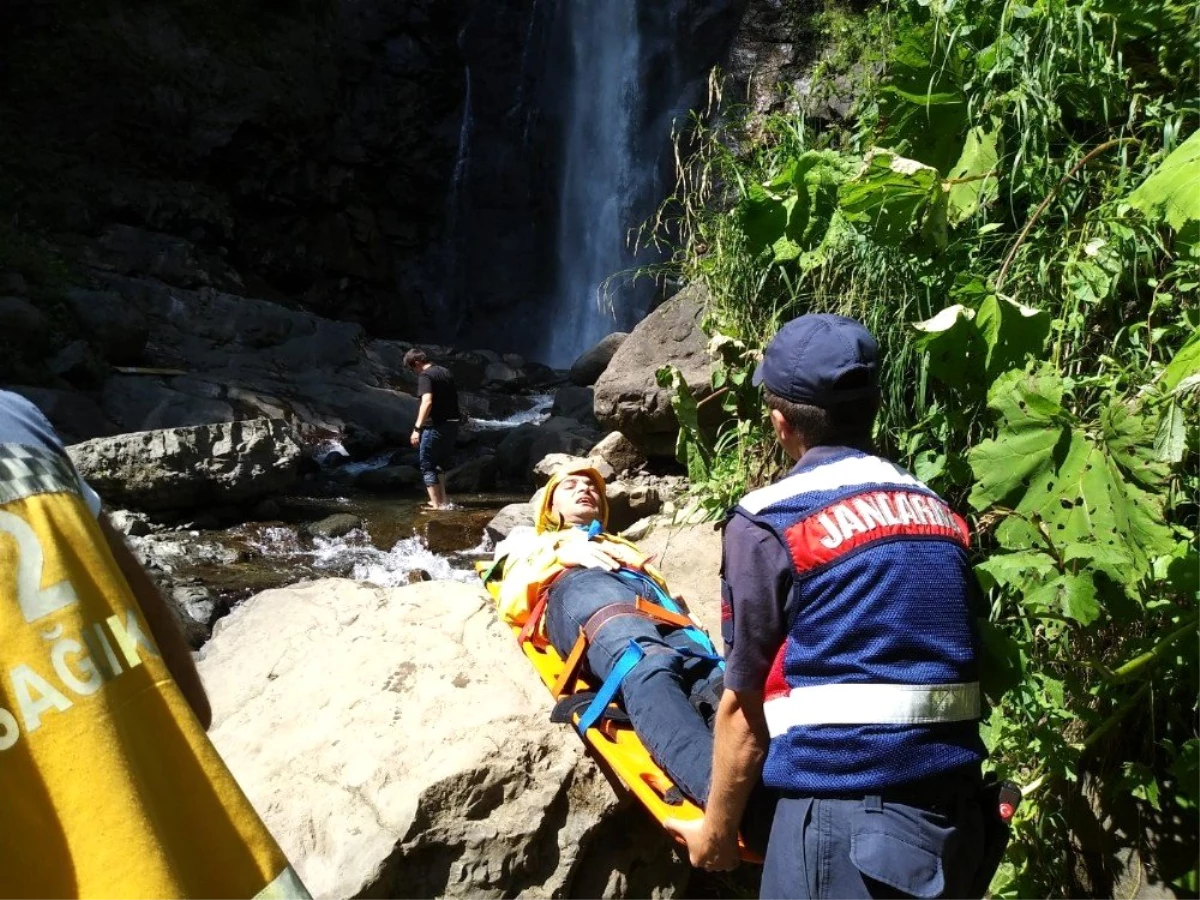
<point x="307" y="146"/>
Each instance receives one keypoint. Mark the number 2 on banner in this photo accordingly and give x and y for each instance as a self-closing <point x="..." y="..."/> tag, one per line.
<point x="35" y="601"/>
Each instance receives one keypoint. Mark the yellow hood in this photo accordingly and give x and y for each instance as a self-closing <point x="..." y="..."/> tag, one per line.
<point x="547" y="520"/>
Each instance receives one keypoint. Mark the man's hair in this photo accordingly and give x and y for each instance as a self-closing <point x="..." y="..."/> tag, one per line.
<point x="843" y="425"/>
<point x="415" y="357"/>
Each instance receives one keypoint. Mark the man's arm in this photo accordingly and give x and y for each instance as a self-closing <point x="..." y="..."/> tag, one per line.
<point x="166" y="631"/>
<point x="740" y="742"/>
<point x="422" y="416"/>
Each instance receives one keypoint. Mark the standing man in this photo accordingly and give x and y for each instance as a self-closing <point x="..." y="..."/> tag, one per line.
<point x="437" y="422"/>
<point x="111" y="787"/>
<point x="851" y="677"/>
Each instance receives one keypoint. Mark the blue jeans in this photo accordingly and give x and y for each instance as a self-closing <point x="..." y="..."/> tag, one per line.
<point x="437" y="443"/>
<point x="659" y="691"/>
<point x="923" y="840"/>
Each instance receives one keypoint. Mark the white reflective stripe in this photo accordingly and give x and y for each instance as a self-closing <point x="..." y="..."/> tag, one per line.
<point x="865" y="470"/>
<point x="872" y="704"/>
<point x="286" y="886"/>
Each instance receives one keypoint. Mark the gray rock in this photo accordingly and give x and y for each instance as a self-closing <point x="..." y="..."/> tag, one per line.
<point x="591" y="364"/>
<point x="628" y="503"/>
<point x="78" y="364"/>
<point x="553" y="462"/>
<point x="114" y="326"/>
<point x="195" y="610"/>
<point x="131" y="523"/>
<point x="501" y="376"/>
<point x="182" y="468"/>
<point x="559" y="435"/>
<point x="335" y="526"/>
<point x="628" y="398"/>
<point x="389" y="478"/>
<point x="514" y="451"/>
<point x="514" y="515"/>
<point x="638" y="530"/>
<point x="619" y="452"/>
<point x="474" y="475"/>
<point x="141" y="403"/>
<point x="574" y="402"/>
<point x="391" y="783"/>
<point x="20" y="320"/>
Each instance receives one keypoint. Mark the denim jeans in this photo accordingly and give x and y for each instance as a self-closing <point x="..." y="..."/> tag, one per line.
<point x="658" y="692"/>
<point x="437" y="443"/>
<point x="923" y="841"/>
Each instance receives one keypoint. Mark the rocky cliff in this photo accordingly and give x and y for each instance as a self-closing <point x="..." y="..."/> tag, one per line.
<point x="392" y="164"/>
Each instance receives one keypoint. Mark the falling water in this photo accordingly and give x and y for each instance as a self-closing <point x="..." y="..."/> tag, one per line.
<point x="604" y="183"/>
<point x="451" y="310"/>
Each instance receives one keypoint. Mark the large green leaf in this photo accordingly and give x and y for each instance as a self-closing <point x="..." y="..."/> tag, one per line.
<point x="974" y="182"/>
<point x="761" y="216"/>
<point x="953" y="347"/>
<point x="791" y="213"/>
<point x="692" y="447"/>
<point x="1070" y="595"/>
<point x="922" y="109"/>
<point x="1068" y="489"/>
<point x="1184" y="364"/>
<point x="1172" y="191"/>
<point x="1011" y="332"/>
<point x="896" y="200"/>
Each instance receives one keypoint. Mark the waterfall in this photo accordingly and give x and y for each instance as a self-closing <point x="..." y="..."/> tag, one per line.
<point x="451" y="307"/>
<point x="604" y="184"/>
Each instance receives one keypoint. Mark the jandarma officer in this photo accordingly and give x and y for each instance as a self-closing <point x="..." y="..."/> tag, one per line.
<point x="851" y="678"/>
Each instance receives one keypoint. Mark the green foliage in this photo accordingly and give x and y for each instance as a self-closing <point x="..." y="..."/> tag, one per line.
<point x="1169" y="194"/>
<point x="1014" y="213"/>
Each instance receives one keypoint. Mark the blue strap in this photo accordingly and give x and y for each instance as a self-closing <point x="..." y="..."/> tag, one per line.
<point x="608" y="690"/>
<point x="641" y="580"/>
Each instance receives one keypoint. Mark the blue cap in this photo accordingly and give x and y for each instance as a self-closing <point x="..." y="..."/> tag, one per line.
<point x="821" y="360"/>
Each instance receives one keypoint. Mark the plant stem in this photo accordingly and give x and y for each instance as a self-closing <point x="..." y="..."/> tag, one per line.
<point x="1115" y="719"/>
<point x="1037" y="213"/>
<point x="1136" y="665"/>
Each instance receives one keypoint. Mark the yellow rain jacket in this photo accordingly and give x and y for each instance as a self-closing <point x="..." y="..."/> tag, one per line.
<point x="111" y="788"/>
<point x="531" y="565"/>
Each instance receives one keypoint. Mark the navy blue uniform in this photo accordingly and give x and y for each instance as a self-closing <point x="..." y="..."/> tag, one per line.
<point x="847" y="602"/>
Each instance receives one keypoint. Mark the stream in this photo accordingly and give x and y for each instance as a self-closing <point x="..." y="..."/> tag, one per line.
<point x="397" y="542"/>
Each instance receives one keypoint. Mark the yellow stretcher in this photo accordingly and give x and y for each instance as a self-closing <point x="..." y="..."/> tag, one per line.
<point x="615" y="744"/>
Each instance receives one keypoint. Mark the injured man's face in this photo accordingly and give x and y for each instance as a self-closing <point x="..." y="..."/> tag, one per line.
<point x="577" y="500"/>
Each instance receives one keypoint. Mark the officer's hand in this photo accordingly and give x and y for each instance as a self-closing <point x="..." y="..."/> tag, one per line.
<point x="713" y="853"/>
<point x="587" y="555"/>
<point x="415" y="440"/>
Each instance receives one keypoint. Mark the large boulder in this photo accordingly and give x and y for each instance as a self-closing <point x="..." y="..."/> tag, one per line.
<point x="628" y="398"/>
<point x="118" y="329"/>
<point x="591" y="365"/>
<point x="179" y="468"/>
<point x="389" y="762"/>
<point x="619" y="452"/>
<point x="511" y="517"/>
<point x="574" y="402"/>
<point x="23" y="322"/>
<point x="689" y="556"/>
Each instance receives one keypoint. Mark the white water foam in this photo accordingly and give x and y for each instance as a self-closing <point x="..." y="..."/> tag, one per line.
<point x="539" y="412"/>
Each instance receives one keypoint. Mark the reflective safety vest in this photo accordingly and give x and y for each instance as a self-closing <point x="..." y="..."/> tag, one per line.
<point x="110" y="786"/>
<point x="876" y="682"/>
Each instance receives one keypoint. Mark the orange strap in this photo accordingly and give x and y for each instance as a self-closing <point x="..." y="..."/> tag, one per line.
<point x="570" y="671"/>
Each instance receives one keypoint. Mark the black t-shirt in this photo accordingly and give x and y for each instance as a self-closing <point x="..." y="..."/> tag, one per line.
<point x="439" y="382"/>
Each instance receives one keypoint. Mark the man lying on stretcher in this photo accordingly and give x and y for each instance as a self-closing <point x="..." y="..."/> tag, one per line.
<point x="594" y="579"/>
